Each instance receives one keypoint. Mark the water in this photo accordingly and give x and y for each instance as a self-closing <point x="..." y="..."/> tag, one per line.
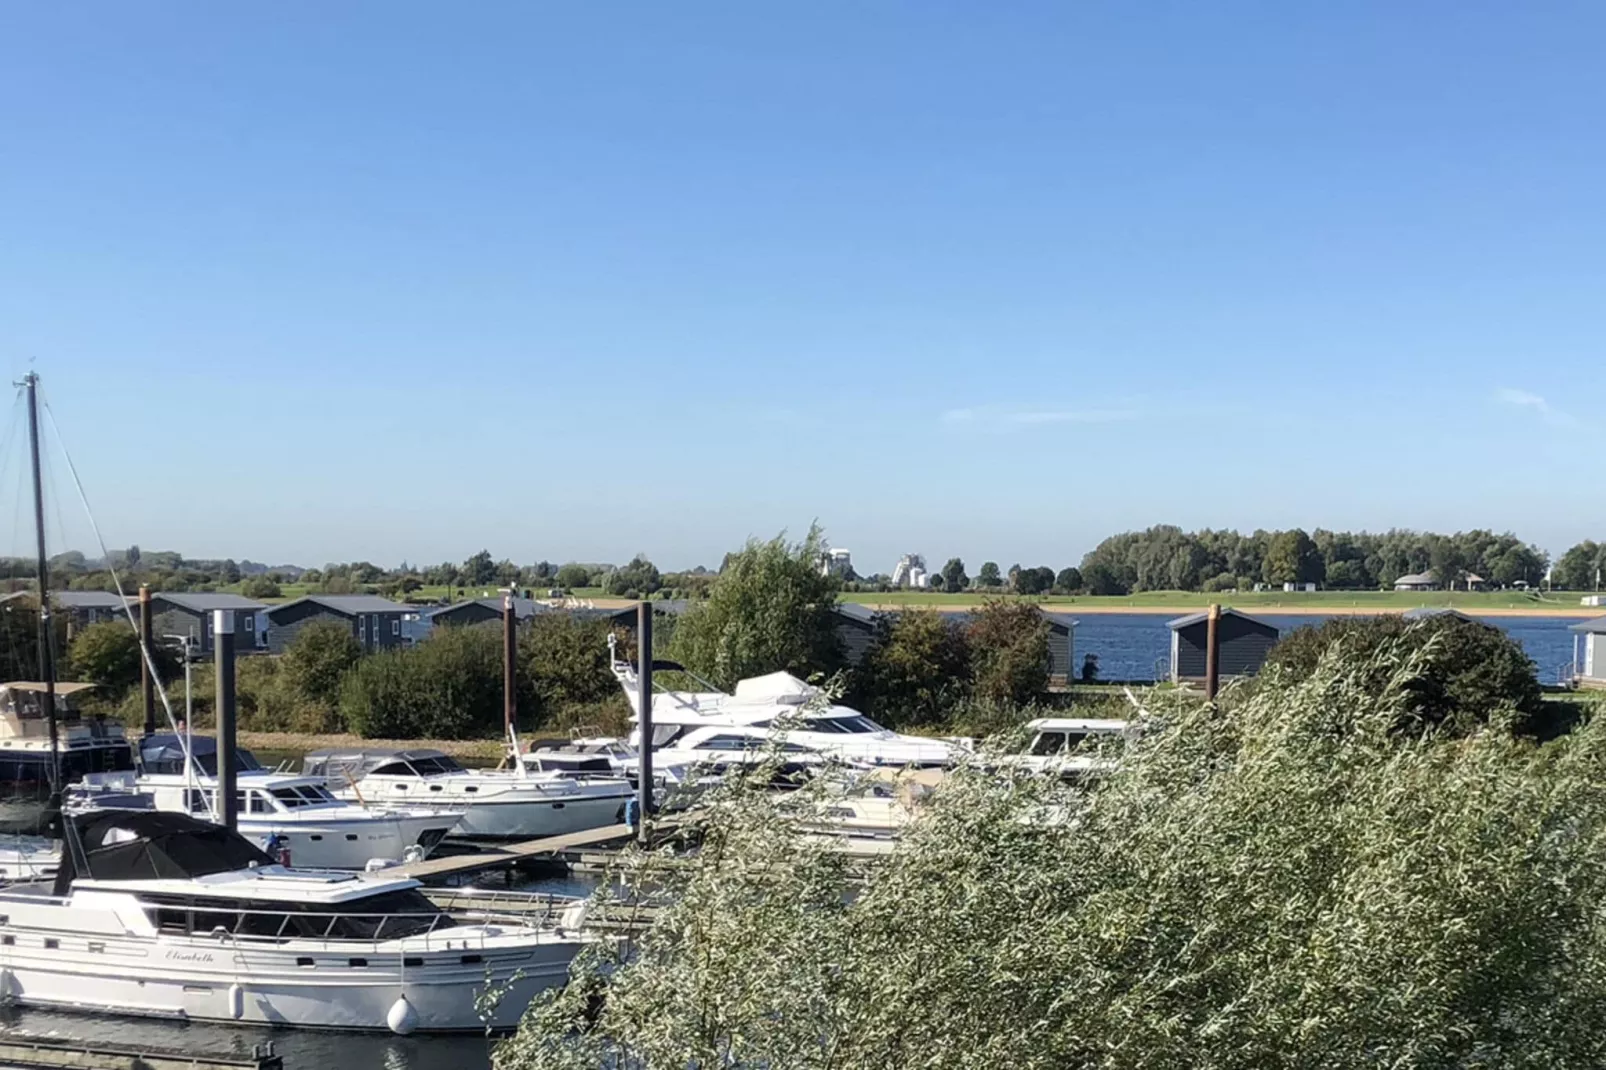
<point x="1137" y="646"/>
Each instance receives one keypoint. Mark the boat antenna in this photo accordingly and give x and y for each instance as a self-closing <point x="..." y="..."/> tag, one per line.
<point x="47" y="661"/>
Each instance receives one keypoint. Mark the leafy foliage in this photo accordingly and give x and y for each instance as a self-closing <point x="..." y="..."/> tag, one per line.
<point x="317" y="658"/>
<point x="953" y="575"/>
<point x="635" y="580"/>
<point x="1009" y="652"/>
<point x="1284" y="882"/>
<point x="1470" y="674"/>
<point x="260" y="587"/>
<point x="916" y="669"/>
<point x="989" y="575"/>
<point x="447" y="687"/>
<point x="770" y="609"/>
<point x="564" y="662"/>
<point x="108" y="654"/>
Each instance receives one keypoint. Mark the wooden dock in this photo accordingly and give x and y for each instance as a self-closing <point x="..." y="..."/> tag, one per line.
<point x="492" y="858"/>
<point x="39" y="1053"/>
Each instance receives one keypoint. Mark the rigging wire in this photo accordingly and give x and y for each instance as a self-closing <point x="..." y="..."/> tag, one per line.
<point x="117" y="582"/>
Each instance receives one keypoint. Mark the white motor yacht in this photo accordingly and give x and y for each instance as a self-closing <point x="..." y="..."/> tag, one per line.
<point x="769" y="711"/>
<point x="157" y="914"/>
<point x="495" y="804"/>
<point x="83" y="745"/>
<point x="1069" y="747"/>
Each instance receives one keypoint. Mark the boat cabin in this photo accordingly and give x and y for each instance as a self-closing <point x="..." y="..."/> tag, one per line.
<point x="1062" y="735"/>
<point x="164" y="753"/>
<point x="352" y="766"/>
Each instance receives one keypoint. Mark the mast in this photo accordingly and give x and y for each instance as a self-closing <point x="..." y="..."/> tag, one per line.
<point x="47" y="661"/>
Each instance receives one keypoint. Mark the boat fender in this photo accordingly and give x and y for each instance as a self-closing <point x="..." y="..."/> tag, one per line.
<point x="236" y="1002"/>
<point x="402" y="1019"/>
<point x="573" y="917"/>
<point x="8" y="984"/>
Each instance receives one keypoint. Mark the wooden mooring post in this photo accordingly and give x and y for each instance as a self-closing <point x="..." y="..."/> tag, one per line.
<point x="1212" y="651"/>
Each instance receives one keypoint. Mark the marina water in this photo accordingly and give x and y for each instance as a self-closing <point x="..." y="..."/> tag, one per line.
<point x="1137" y="646"/>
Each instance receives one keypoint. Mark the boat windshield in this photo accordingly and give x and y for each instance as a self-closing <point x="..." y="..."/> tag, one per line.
<point x="386" y="916"/>
<point x="853" y="724"/>
<point x="304" y="795"/>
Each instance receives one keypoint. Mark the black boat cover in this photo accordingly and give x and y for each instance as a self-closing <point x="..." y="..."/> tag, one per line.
<point x="163" y="752"/>
<point x="150" y="845"/>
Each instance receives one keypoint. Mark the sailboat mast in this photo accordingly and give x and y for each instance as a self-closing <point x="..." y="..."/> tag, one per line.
<point x="47" y="661"/>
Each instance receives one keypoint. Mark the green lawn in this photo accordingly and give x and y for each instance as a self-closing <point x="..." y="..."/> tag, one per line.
<point x="1317" y="602"/>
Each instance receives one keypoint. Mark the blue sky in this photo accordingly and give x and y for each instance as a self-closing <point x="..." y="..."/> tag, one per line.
<point x="396" y="280"/>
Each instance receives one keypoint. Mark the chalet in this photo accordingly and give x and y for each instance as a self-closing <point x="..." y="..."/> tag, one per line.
<point x="1242" y="645"/>
<point x="376" y="623"/>
<point x="483" y="611"/>
<point x="855" y="629"/>
<point x="190" y="615"/>
<point x="83" y="608"/>
<point x="1589" y="652"/>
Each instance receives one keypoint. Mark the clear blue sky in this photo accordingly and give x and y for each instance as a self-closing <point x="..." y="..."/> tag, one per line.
<point x="314" y="281"/>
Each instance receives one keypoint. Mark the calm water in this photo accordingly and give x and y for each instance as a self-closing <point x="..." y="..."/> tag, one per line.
<point x="1137" y="646"/>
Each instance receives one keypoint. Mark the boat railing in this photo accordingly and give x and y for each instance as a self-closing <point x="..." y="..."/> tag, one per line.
<point x="439" y="931"/>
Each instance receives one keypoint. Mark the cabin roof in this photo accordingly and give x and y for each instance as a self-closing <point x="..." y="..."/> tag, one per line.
<point x="206" y="601"/>
<point x="1195" y="618"/>
<point x="1594" y="627"/>
<point x="348" y="605"/>
<point x="1078" y="724"/>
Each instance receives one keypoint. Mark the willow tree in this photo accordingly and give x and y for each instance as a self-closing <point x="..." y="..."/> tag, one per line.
<point x="1291" y="882"/>
<point x="771" y="609"/>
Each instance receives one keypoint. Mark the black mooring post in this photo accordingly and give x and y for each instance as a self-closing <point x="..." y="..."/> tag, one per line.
<point x="1212" y="651"/>
<point x="644" y="701"/>
<point x="228" y="809"/>
<point x="147" y="685"/>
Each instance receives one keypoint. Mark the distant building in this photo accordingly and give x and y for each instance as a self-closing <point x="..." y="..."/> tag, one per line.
<point x="1428" y="612"/>
<point x="1589" y="652"/>
<point x="1242" y="645"/>
<point x="902" y="575"/>
<point x="1416" y="581"/>
<point x="855" y="630"/>
<point x="376" y="623"/>
<point x="836" y="562"/>
<point x="483" y="611"/>
<point x="83" y="608"/>
<point x="190" y="615"/>
<point x="1299" y="588"/>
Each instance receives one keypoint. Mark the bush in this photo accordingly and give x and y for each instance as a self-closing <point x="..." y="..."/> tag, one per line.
<point x="1287" y="883"/>
<point x="1009" y="652"/>
<point x="563" y="662"/>
<point x="1471" y="674"/>
<point x="108" y="655"/>
<point x="317" y="658"/>
<point x="447" y="687"/>
<point x="916" y="669"/>
<point x="259" y="587"/>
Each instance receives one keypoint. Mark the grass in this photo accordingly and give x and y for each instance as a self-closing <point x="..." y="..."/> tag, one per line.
<point x="289" y="592"/>
<point x="1314" y="602"/>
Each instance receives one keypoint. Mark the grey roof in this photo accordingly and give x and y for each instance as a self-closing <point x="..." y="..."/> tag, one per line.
<point x="88" y="599"/>
<point x="1424" y="612"/>
<point x="206" y="601"/>
<point x="857" y="611"/>
<point x="1063" y="620"/>
<point x="1596" y="626"/>
<point x="1195" y="618"/>
<point x="1416" y="579"/>
<point x="9" y="595"/>
<point x="348" y="605"/>
<point x="523" y="608"/>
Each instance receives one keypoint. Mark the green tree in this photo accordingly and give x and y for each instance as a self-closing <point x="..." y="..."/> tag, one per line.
<point x="131" y="557"/>
<point x="770" y="609"/>
<point x="564" y="660"/>
<point x="1102" y="578"/>
<point x="107" y="654"/>
<point x="915" y="670"/>
<point x="640" y="576"/>
<point x="229" y="572"/>
<point x="1449" y="562"/>
<point x="1579" y="568"/>
<point x="1283" y="882"/>
<point x="1009" y="651"/>
<point x="260" y="587"/>
<point x="1069" y="580"/>
<point x="447" y="687"/>
<point x="953" y="575"/>
<point x="573" y="575"/>
<point x="989" y="575"/>
<point x="479" y="570"/>
<point x="316" y="659"/>
<point x="1466" y="674"/>
<point x="1291" y="557"/>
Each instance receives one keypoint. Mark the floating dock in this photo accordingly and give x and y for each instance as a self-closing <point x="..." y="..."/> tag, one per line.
<point x="38" y="1053"/>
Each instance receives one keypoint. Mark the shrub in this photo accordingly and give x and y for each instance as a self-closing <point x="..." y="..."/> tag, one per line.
<point x="1009" y="651"/>
<point x="316" y="659"/>
<point x="1287" y="883"/>
<point x="563" y="661"/>
<point x="1469" y="673"/>
<point x="917" y="667"/>
<point x="108" y="655"/>
<point x="260" y="587"/>
<point x="447" y="687"/>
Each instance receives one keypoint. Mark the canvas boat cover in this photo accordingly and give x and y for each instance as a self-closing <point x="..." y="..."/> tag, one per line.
<point x="151" y="845"/>
<point x="163" y="752"/>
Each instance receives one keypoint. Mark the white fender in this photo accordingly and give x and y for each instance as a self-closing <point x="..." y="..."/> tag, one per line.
<point x="236" y="1002"/>
<point x="402" y="1019"/>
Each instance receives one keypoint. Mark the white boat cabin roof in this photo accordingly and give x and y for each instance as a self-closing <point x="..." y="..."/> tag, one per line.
<point x="1077" y="724"/>
<point x="274" y="883"/>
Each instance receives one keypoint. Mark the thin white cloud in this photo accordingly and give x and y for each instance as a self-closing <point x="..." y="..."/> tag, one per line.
<point x="1001" y="418"/>
<point x="1524" y="399"/>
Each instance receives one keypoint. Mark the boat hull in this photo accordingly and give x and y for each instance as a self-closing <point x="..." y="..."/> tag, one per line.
<point x="534" y="819"/>
<point x="270" y="989"/>
<point x="337" y="844"/>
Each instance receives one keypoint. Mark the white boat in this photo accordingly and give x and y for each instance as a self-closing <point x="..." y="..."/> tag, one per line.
<point x="157" y="914"/>
<point x="294" y="818"/>
<point x="1069" y="747"/>
<point x="766" y="713"/>
<point x="83" y="745"/>
<point x="495" y="804"/>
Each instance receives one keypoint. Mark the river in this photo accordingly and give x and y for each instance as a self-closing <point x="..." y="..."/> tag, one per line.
<point x="1137" y="646"/>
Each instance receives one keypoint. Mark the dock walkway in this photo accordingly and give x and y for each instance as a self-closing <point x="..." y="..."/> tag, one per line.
<point x="456" y="865"/>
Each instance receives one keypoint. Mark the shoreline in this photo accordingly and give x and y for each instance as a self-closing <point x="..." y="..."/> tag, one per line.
<point x="1265" y="610"/>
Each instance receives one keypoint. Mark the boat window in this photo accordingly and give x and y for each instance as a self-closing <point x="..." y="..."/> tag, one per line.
<point x="436" y="765"/>
<point x="314" y="794"/>
<point x="389" y="915"/>
<point x="260" y="804"/>
<point x="394" y="769"/>
<point x="289" y="797"/>
<point x="1048" y="743"/>
<point x="664" y="735"/>
<point x="822" y="724"/>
